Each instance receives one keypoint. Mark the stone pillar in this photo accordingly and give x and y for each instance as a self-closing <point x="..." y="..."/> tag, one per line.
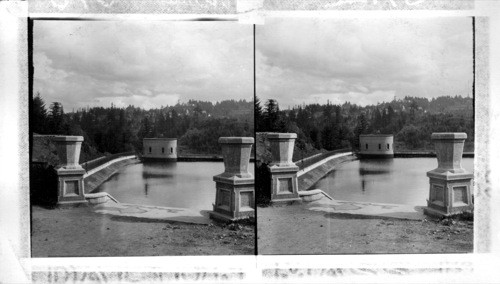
<point x="450" y="184"/>
<point x="70" y="173"/>
<point x="283" y="171"/>
<point x="235" y="187"/>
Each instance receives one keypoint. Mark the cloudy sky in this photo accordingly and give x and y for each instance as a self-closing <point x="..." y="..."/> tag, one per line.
<point x="146" y="64"/>
<point x="363" y="61"/>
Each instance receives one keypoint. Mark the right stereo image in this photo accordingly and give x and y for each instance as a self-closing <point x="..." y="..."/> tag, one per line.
<point x="364" y="135"/>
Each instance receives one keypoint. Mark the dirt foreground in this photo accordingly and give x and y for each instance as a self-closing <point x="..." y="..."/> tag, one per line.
<point x="292" y="229"/>
<point x="82" y="232"/>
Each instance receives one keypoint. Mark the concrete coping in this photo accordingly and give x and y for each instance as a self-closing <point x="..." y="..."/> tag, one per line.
<point x="236" y="140"/>
<point x="96" y="195"/>
<point x="376" y="135"/>
<point x="166" y="139"/>
<point x="310" y="192"/>
<point x="99" y="195"/>
<point x="449" y="136"/>
<point x="67" y="138"/>
<point x="312" y="195"/>
<point x="275" y="135"/>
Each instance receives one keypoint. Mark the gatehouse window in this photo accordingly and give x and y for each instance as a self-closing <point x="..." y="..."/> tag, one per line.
<point x="171" y="150"/>
<point x="388" y="146"/>
<point x="380" y="146"/>
<point x="162" y="150"/>
<point x="366" y="146"/>
<point x="149" y="149"/>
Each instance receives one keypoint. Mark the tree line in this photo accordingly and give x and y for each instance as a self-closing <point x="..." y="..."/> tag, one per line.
<point x="411" y="120"/>
<point x="197" y="124"/>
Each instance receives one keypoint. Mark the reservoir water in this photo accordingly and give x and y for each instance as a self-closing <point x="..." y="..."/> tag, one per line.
<point x="397" y="181"/>
<point x="172" y="184"/>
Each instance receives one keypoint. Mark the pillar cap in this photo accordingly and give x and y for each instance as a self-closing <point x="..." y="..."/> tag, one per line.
<point x="448" y="135"/>
<point x="282" y="135"/>
<point x="236" y="140"/>
<point x="67" y="138"/>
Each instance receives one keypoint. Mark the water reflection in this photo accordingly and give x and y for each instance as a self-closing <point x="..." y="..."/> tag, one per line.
<point x="373" y="167"/>
<point x="152" y="170"/>
<point x="181" y="184"/>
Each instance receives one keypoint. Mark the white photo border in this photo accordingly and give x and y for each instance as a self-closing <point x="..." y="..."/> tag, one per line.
<point x="479" y="266"/>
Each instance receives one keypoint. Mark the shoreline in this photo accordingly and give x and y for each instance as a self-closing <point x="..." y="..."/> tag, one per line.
<point x="425" y="154"/>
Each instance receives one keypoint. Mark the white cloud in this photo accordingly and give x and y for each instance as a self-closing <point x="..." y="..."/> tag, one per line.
<point x="363" y="60"/>
<point x="111" y="60"/>
<point x="45" y="69"/>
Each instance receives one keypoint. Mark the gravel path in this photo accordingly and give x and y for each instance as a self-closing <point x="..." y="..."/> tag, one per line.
<point x="293" y="229"/>
<point x="81" y="232"/>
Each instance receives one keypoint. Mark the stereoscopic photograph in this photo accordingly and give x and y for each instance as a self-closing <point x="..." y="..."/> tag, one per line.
<point x="364" y="135"/>
<point x="249" y="141"/>
<point x="142" y="138"/>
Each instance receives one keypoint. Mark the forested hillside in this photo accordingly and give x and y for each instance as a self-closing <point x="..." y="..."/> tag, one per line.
<point x="197" y="125"/>
<point x="412" y="120"/>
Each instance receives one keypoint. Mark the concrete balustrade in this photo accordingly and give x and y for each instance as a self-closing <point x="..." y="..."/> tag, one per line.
<point x="235" y="187"/>
<point x="284" y="185"/>
<point x="450" y="184"/>
<point x="70" y="173"/>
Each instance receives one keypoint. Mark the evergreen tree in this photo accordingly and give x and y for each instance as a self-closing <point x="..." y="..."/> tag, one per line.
<point x="56" y="119"/>
<point x="145" y="130"/>
<point x="361" y="128"/>
<point x="315" y="136"/>
<point x="39" y="115"/>
<point x="328" y="137"/>
<point x="259" y="118"/>
<point x="271" y="115"/>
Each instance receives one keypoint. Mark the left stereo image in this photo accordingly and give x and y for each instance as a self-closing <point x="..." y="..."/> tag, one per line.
<point x="141" y="138"/>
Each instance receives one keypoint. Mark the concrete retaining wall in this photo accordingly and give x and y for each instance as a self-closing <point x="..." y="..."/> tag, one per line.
<point x="319" y="163"/>
<point x="310" y="175"/>
<point x="103" y="166"/>
<point x="94" y="180"/>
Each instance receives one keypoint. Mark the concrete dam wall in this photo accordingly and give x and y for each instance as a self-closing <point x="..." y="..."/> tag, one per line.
<point x="308" y="176"/>
<point x="95" y="177"/>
